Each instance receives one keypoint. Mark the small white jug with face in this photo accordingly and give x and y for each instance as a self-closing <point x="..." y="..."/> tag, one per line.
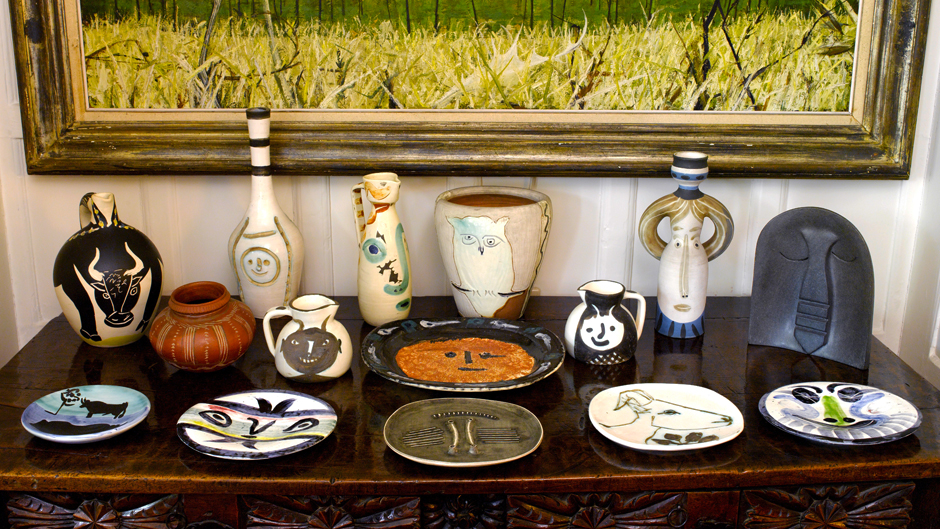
<point x="313" y="346"/>
<point x="600" y="330"/>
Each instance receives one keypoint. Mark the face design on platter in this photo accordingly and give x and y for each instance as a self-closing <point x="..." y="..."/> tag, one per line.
<point x="601" y="332"/>
<point x="261" y="266"/>
<point x="258" y="427"/>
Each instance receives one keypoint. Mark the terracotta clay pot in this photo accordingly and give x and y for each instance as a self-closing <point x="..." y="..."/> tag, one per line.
<point x="203" y="329"/>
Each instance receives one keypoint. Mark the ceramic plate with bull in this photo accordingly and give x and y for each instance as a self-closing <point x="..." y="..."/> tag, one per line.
<point x="463" y="354"/>
<point x="82" y="414"/>
<point x="257" y="424"/>
<point x="840" y="413"/>
<point x="665" y="417"/>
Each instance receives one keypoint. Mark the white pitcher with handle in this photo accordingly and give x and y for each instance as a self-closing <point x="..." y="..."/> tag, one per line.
<point x="384" y="277"/>
<point x="313" y="346"/>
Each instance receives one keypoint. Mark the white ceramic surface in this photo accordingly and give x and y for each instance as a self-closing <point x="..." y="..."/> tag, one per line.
<point x="313" y="346"/>
<point x="266" y="249"/>
<point x="492" y="253"/>
<point x="840" y="413"/>
<point x="384" y="275"/>
<point x="84" y="414"/>
<point x="256" y="424"/>
<point x="665" y="417"/>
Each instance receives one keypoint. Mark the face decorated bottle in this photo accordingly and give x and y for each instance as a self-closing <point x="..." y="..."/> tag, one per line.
<point x="384" y="277"/>
<point x="266" y="249"/>
<point x="683" y="268"/>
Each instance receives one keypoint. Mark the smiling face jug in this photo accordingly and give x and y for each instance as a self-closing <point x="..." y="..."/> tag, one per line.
<point x="600" y="330"/>
<point x="313" y="346"/>
<point x="384" y="278"/>
<point x="683" y="269"/>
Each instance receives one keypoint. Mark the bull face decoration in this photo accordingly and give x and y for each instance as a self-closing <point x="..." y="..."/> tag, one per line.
<point x="108" y="276"/>
<point x="813" y="288"/>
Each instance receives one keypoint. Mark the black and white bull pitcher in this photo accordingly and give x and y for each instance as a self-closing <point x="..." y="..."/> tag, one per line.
<point x="108" y="276"/>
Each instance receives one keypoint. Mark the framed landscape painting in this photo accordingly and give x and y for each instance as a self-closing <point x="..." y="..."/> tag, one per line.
<point x="767" y="88"/>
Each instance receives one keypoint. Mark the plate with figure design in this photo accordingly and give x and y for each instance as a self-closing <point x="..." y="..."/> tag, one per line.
<point x="840" y="413"/>
<point x="460" y="432"/>
<point x="665" y="417"/>
<point x="83" y="414"/>
<point x="463" y="354"/>
<point x="257" y="424"/>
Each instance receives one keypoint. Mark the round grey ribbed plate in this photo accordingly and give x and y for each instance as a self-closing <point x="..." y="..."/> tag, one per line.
<point x="462" y="432"/>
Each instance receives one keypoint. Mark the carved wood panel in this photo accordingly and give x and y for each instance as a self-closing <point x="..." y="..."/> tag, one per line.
<point x="598" y="511"/>
<point x="333" y="512"/>
<point x="885" y="505"/>
<point x="80" y="511"/>
<point x="825" y="507"/>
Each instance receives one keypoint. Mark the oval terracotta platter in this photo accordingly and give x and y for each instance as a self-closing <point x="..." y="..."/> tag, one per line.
<point x="257" y="424"/>
<point x="461" y="432"/>
<point x="840" y="413"/>
<point x="665" y="417"/>
<point x="83" y="414"/>
<point x="463" y="352"/>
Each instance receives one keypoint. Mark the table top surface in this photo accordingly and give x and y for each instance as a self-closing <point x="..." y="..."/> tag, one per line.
<point x="354" y="459"/>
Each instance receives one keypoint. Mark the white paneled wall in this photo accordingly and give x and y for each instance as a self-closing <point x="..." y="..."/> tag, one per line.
<point x="189" y="218"/>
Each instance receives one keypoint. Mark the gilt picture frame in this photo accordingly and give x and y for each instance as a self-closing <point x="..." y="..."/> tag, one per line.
<point x="872" y="139"/>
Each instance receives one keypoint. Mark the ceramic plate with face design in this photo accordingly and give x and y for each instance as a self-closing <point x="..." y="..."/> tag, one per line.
<point x="840" y="413"/>
<point x="665" y="417"/>
<point x="510" y="341"/>
<point x="258" y="424"/>
<point x="83" y="414"/>
<point x="462" y="432"/>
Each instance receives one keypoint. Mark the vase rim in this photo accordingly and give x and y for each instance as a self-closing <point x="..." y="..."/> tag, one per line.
<point x="208" y="296"/>
<point x="531" y="194"/>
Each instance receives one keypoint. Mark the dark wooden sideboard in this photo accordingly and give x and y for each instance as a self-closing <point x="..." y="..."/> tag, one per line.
<point x="146" y="478"/>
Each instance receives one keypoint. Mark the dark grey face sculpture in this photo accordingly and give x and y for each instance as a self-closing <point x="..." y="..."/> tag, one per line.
<point x="813" y="287"/>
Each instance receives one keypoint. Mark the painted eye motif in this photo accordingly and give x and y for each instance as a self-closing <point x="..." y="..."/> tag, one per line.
<point x="217" y="418"/>
<point x="451" y="354"/>
<point x="301" y="425"/>
<point x="491" y="240"/>
<point x="468" y="239"/>
<point x="678" y="243"/>
<point x="669" y="412"/>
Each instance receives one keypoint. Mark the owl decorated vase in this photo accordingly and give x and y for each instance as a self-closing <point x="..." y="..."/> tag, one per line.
<point x="108" y="276"/>
<point x="492" y="240"/>
<point x="601" y="330"/>
<point x="313" y="346"/>
<point x="384" y="276"/>
<point x="683" y="260"/>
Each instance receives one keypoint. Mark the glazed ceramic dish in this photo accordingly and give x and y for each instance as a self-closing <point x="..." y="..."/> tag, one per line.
<point x="380" y="347"/>
<point x="665" y="417"/>
<point x="462" y="432"/>
<point x="840" y="413"/>
<point x="83" y="414"/>
<point x="258" y="424"/>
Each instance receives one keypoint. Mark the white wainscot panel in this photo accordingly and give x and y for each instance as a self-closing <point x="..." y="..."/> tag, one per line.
<point x="571" y="254"/>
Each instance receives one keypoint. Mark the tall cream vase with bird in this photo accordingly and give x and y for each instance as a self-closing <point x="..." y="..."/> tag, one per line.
<point x="266" y="249"/>
<point x="384" y="278"/>
<point x="683" y="268"/>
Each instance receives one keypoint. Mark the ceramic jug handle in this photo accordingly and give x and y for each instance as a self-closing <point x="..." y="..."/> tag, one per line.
<point x="276" y="312"/>
<point x="357" y="210"/>
<point x="640" y="316"/>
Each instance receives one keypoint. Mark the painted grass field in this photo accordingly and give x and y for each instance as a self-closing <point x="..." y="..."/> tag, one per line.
<point x="785" y="61"/>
